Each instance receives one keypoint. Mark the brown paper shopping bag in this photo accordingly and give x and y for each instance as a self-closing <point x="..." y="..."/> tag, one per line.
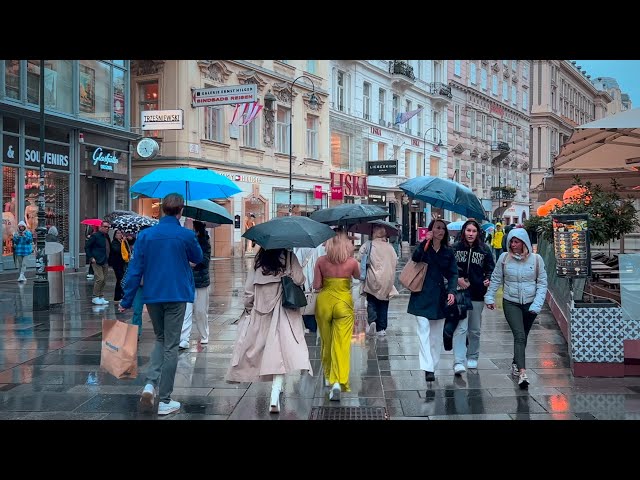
<point x="119" y="353"/>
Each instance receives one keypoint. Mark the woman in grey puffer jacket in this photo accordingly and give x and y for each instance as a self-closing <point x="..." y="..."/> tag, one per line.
<point x="524" y="278"/>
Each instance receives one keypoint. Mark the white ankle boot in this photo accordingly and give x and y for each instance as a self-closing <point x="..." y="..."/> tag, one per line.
<point x="276" y="390"/>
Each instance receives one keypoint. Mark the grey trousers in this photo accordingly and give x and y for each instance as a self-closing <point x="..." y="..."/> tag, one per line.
<point x="166" y="319"/>
<point x="520" y="321"/>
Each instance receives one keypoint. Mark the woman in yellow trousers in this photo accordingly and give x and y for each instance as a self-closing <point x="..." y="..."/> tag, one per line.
<point x="334" y="311"/>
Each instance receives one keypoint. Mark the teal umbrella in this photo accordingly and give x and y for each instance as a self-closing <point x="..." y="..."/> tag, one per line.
<point x="289" y="232"/>
<point x="349" y="213"/>
<point x="207" y="211"/>
<point x="191" y="183"/>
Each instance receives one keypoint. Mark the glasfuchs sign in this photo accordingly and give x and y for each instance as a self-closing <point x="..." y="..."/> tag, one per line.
<point x="229" y="95"/>
<point x="162" y="119"/>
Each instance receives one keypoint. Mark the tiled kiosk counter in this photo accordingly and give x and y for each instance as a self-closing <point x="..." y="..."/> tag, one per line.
<point x="603" y="342"/>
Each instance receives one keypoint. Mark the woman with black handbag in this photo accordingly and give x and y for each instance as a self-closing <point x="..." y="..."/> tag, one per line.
<point x="475" y="265"/>
<point x="270" y="342"/>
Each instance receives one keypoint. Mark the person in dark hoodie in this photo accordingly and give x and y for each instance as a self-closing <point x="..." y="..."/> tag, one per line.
<point x="475" y="265"/>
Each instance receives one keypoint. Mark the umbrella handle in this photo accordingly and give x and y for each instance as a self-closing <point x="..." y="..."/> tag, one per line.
<point x="426" y="245"/>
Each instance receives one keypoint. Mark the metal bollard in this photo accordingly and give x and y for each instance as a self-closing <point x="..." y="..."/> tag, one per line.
<point x="55" y="272"/>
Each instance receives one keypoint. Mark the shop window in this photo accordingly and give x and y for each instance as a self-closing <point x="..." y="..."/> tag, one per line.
<point x="303" y="202"/>
<point x="148" y="99"/>
<point x="119" y="97"/>
<point x="57" y="201"/>
<point x="12" y="79"/>
<point x="9" y="208"/>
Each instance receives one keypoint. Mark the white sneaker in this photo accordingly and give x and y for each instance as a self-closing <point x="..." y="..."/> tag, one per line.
<point x="96" y="301"/>
<point x="372" y="329"/>
<point x="334" y="395"/>
<point x="471" y="363"/>
<point x="523" y="380"/>
<point x="89" y="277"/>
<point x="382" y="333"/>
<point x="22" y="278"/>
<point x="103" y="301"/>
<point x="147" y="399"/>
<point x="184" y="345"/>
<point x="458" y="369"/>
<point x="204" y="341"/>
<point x="514" y="370"/>
<point x="167" y="408"/>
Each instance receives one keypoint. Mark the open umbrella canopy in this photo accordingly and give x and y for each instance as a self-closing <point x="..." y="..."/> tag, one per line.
<point x="96" y="222"/>
<point x="446" y="194"/>
<point x="207" y="211"/>
<point x="367" y="227"/>
<point x="109" y="217"/>
<point x="455" y="226"/>
<point x="132" y="223"/>
<point x="191" y="183"/>
<point x="348" y="214"/>
<point x="609" y="143"/>
<point x="488" y="226"/>
<point x="289" y="232"/>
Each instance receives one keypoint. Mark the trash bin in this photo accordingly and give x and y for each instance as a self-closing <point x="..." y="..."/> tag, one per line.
<point x="55" y="271"/>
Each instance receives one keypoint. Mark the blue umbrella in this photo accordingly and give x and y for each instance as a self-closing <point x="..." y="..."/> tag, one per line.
<point x="487" y="226"/>
<point x="444" y="193"/>
<point x="455" y="225"/>
<point x="191" y="183"/>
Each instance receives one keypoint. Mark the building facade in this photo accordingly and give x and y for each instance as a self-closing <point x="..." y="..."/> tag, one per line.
<point x="489" y="137"/>
<point x="619" y="101"/>
<point x="563" y="98"/>
<point x="366" y="97"/>
<point x="256" y="155"/>
<point x="86" y="147"/>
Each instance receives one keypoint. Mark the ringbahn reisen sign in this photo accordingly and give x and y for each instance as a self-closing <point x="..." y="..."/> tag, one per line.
<point x="229" y="95"/>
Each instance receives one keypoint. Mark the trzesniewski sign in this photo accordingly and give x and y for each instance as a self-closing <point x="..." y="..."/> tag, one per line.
<point x="382" y="167"/>
<point x="229" y="95"/>
<point x="162" y="119"/>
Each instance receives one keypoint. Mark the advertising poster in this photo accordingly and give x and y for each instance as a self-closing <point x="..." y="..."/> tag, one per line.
<point x="571" y="245"/>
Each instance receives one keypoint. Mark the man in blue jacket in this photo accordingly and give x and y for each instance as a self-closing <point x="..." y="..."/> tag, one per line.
<point x="162" y="255"/>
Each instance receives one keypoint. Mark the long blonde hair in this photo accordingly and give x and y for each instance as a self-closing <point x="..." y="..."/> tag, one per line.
<point x="339" y="248"/>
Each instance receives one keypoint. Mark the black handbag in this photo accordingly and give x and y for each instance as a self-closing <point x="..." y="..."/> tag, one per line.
<point x="292" y="295"/>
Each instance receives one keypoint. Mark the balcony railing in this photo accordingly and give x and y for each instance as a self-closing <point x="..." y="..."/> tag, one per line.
<point x="503" y="146"/>
<point x="503" y="193"/>
<point x="398" y="67"/>
<point x="442" y="89"/>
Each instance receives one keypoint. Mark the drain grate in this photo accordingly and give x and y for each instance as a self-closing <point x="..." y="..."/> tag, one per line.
<point x="348" y="413"/>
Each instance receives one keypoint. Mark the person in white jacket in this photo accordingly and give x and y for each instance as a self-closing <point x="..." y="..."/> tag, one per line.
<point x="524" y="278"/>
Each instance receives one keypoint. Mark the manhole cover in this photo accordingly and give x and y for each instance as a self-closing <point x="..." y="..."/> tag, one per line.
<point x="348" y="413"/>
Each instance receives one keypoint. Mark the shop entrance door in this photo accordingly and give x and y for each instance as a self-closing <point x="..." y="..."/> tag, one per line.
<point x="94" y="203"/>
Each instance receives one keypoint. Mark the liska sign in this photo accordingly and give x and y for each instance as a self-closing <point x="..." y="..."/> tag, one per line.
<point x="353" y="185"/>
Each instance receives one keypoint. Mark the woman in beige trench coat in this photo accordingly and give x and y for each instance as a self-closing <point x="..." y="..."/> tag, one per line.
<point x="270" y="340"/>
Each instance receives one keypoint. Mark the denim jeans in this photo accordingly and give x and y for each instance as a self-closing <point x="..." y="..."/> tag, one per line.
<point x="377" y="311"/>
<point x="469" y="327"/>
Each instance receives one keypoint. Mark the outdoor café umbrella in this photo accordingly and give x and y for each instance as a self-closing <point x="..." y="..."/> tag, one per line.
<point x="191" y="183"/>
<point x="132" y="223"/>
<point x="207" y="211"/>
<point x="446" y="194"/>
<point x="366" y="228"/>
<point x="348" y="214"/>
<point x="288" y="232"/>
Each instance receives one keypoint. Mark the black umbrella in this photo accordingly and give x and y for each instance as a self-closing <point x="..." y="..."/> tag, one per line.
<point x="289" y="232"/>
<point x="348" y="214"/>
<point x="367" y="227"/>
<point x="132" y="223"/>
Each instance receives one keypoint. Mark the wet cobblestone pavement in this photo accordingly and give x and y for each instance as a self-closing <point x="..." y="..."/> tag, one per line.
<point x="49" y="367"/>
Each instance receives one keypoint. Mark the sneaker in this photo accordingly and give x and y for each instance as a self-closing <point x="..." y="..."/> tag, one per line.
<point x="372" y="329"/>
<point x="327" y="383"/>
<point x="22" y="278"/>
<point x="514" y="370"/>
<point x="204" y="341"/>
<point x="382" y="333"/>
<point x="472" y="363"/>
<point x="429" y="376"/>
<point x="523" y="381"/>
<point x="89" y="277"/>
<point x="459" y="369"/>
<point x="169" y="407"/>
<point x="183" y="345"/>
<point x="147" y="399"/>
<point x="334" y="395"/>
<point x="103" y="301"/>
<point x="96" y="301"/>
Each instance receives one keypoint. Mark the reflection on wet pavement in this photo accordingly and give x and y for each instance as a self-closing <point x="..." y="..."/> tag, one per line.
<point x="49" y="368"/>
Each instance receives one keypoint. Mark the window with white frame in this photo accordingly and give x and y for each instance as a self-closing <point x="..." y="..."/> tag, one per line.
<point x="514" y="95"/>
<point x="472" y="73"/>
<point x="494" y="130"/>
<point x="456" y="118"/>
<point x="525" y="70"/>
<point x="407" y="163"/>
<point x="457" y="68"/>
<point x="420" y="69"/>
<point x="251" y="132"/>
<point x="472" y="123"/>
<point x="514" y="65"/>
<point x="511" y="145"/>
<point x="505" y="63"/>
<point x="483" y="78"/>
<point x="395" y="105"/>
<point x="407" y="125"/>
<point x="312" y="136"/>
<point x="437" y="71"/>
<point x="311" y="66"/>
<point x="366" y="101"/>
<point x="505" y="128"/>
<point x="420" y="121"/>
<point x="553" y="98"/>
<point x="213" y="121"/>
<point x="283" y="119"/>
<point x="382" y="99"/>
<point x="435" y="135"/>
<point x="340" y="91"/>
<point x="483" y="126"/>
<point x="505" y="90"/>
<point x="525" y="101"/>
<point x="494" y="85"/>
<point x="340" y="150"/>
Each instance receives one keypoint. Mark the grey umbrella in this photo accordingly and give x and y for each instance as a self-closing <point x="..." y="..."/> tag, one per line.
<point x="348" y="214"/>
<point x="289" y="232"/>
<point x="367" y="227"/>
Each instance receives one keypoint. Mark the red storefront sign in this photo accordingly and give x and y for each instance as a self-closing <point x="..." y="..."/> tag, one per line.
<point x="353" y="185"/>
<point x="317" y="192"/>
<point x="336" y="193"/>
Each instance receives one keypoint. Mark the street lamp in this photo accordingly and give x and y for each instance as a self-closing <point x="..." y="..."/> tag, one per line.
<point x="41" y="283"/>
<point x="313" y="101"/>
<point x="424" y="145"/>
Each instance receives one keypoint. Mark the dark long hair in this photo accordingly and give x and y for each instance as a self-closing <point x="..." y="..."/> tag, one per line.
<point x="476" y="243"/>
<point x="199" y="228"/>
<point x="270" y="261"/>
<point x="445" y="240"/>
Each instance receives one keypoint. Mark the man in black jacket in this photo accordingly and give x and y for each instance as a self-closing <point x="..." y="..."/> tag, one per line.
<point x="200" y="305"/>
<point x="97" y="249"/>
